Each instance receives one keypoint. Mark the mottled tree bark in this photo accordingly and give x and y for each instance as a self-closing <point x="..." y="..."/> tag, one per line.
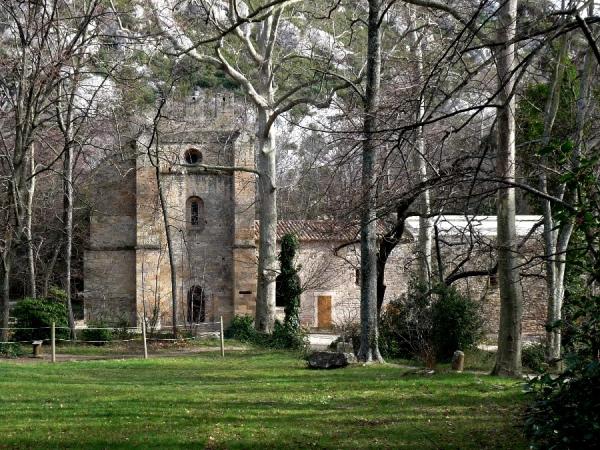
<point x="554" y="261"/>
<point x="424" y="239"/>
<point x="28" y="224"/>
<point x="267" y="213"/>
<point x="508" y="357"/>
<point x="369" y="348"/>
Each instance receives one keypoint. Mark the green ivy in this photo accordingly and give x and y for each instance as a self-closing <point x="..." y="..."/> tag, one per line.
<point x="288" y="282"/>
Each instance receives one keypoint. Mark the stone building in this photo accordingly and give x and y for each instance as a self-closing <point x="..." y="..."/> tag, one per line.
<point x="210" y="209"/>
<point x="211" y="212"/>
<point x="331" y="278"/>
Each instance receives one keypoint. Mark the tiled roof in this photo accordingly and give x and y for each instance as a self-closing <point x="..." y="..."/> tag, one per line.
<point x="336" y="231"/>
<point x="319" y="230"/>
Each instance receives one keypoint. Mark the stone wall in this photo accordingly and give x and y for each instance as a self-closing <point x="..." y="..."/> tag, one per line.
<point x="127" y="269"/>
<point x="323" y="273"/>
<point x="109" y="261"/>
<point x="203" y="252"/>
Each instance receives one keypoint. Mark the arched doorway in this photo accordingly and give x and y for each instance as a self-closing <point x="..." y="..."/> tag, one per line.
<point x="196" y="305"/>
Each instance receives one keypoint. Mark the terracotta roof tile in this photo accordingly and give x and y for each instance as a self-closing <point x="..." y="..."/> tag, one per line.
<point x="318" y="230"/>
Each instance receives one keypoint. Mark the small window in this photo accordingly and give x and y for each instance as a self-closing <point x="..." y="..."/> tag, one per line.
<point x="195" y="213"/>
<point x="493" y="280"/>
<point x="192" y="156"/>
<point x="196" y="305"/>
<point x="357" y="276"/>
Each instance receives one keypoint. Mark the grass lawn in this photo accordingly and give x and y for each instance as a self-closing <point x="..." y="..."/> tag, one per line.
<point x="251" y="399"/>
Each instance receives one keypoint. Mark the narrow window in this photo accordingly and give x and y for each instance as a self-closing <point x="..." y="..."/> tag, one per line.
<point x="196" y="305"/>
<point x="195" y="213"/>
<point x="357" y="276"/>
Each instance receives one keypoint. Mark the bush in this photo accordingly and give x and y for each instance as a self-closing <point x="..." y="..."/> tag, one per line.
<point x="533" y="356"/>
<point x="286" y="337"/>
<point x="429" y="325"/>
<point x="283" y="336"/>
<point x="11" y="350"/>
<point x="456" y="322"/>
<point x="39" y="313"/>
<point x="122" y="330"/>
<point x="242" y="329"/>
<point x="405" y="326"/>
<point x="566" y="413"/>
<point x="97" y="334"/>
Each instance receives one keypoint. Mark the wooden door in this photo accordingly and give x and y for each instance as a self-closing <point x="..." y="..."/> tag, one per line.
<point x="324" y="311"/>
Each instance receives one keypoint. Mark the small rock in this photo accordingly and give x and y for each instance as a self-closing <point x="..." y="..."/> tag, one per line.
<point x="458" y="361"/>
<point x="330" y="360"/>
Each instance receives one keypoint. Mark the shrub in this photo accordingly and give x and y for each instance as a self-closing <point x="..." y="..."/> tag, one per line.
<point x="287" y="337"/>
<point x="429" y="325"/>
<point x="242" y="329"/>
<point x="533" y="356"/>
<point x="122" y="330"/>
<point x="97" y="333"/>
<point x="456" y="322"/>
<point x="283" y="336"/>
<point x="566" y="412"/>
<point x="405" y="326"/>
<point x="11" y="350"/>
<point x="39" y="313"/>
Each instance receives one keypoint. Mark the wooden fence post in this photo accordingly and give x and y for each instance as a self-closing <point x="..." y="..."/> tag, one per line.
<point x="53" y="341"/>
<point x="144" y="337"/>
<point x="222" y="340"/>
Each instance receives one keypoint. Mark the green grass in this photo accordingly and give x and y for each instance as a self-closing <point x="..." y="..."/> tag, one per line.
<point x="135" y="347"/>
<point x="251" y="399"/>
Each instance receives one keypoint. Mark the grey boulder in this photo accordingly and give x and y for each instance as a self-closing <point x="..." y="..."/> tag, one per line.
<point x="330" y="360"/>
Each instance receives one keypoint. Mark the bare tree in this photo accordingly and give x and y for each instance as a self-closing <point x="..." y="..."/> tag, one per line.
<point x="419" y="159"/>
<point x="31" y="71"/>
<point x="508" y="357"/>
<point x="369" y="337"/>
<point x="259" y="40"/>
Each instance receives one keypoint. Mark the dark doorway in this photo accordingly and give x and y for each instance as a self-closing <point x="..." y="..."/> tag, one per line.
<point x="196" y="305"/>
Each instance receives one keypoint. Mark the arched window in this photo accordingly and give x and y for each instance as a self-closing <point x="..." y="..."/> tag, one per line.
<point x="192" y="156"/>
<point x="195" y="212"/>
<point x="196" y="300"/>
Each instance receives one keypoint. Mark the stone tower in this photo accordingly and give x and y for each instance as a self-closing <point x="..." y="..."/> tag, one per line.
<point x="200" y="148"/>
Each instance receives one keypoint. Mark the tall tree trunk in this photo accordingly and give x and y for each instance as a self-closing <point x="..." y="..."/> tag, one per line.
<point x="68" y="221"/>
<point x="550" y="233"/>
<point x="267" y="252"/>
<point x="508" y="357"/>
<point x="369" y="346"/>
<point x="6" y="266"/>
<point x="424" y="240"/>
<point x="170" y="248"/>
<point x="267" y="191"/>
<point x="28" y="223"/>
<point x="50" y="268"/>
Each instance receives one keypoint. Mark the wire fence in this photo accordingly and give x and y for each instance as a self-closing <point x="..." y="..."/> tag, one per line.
<point x="100" y="336"/>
